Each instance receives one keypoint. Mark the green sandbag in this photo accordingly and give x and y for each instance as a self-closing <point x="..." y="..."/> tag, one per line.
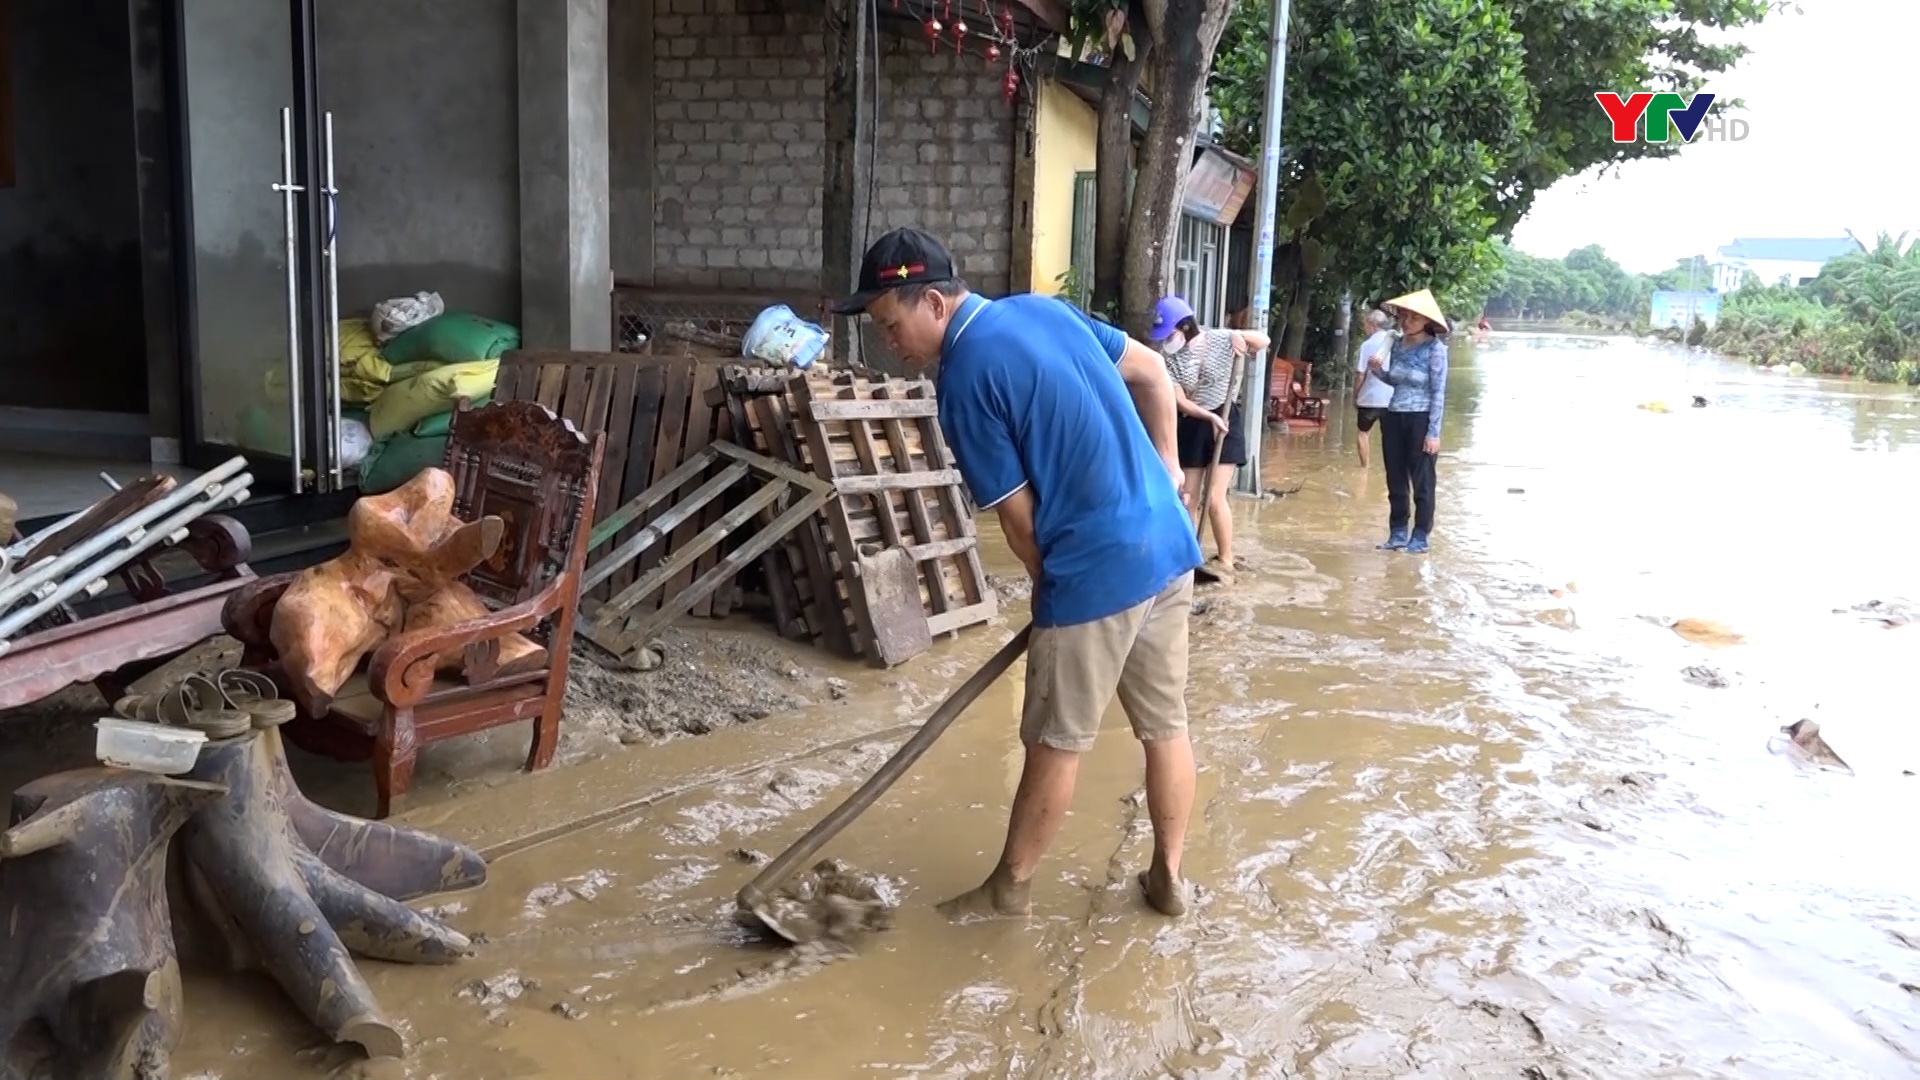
<point x="453" y="338"/>
<point x="441" y="423"/>
<point x="397" y="459"/>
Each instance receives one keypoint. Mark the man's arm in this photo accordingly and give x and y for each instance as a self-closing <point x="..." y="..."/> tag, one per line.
<point x="1016" y="523"/>
<point x="1153" y="397"/>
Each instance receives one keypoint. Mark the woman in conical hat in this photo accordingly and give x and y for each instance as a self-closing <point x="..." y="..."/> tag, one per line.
<point x="1410" y="431"/>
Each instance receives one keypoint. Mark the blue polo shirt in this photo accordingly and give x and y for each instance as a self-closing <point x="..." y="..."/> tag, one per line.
<point x="1031" y="396"/>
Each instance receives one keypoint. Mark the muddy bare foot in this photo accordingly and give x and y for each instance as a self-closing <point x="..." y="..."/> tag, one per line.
<point x="1166" y="894"/>
<point x="998" y="898"/>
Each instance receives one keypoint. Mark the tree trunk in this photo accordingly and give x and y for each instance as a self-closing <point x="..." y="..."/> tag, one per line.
<point x="1114" y="165"/>
<point x="86" y="946"/>
<point x="1296" y="341"/>
<point x="1181" y="59"/>
<point x="292" y="887"/>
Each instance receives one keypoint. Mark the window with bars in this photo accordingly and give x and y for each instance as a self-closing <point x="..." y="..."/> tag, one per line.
<point x="1085" y="199"/>
<point x="1199" y="267"/>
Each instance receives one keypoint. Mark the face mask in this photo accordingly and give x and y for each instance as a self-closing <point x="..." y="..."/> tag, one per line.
<point x="1173" y="345"/>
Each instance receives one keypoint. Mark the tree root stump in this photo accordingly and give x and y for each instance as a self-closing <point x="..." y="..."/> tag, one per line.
<point x="89" y="980"/>
<point x="292" y="887"/>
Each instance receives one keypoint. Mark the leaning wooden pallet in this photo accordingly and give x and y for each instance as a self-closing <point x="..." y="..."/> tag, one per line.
<point x="656" y="415"/>
<point x="621" y="624"/>
<point x="906" y="497"/>
<point x="803" y="572"/>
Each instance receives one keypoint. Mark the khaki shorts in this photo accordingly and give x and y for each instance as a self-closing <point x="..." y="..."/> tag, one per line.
<point x="1074" y="671"/>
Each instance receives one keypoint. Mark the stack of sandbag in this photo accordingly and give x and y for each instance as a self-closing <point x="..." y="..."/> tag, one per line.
<point x="450" y="356"/>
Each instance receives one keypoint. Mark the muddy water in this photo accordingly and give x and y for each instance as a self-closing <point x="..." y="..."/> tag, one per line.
<point x="1460" y="816"/>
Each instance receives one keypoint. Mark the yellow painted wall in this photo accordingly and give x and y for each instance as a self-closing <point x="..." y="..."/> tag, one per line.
<point x="1065" y="142"/>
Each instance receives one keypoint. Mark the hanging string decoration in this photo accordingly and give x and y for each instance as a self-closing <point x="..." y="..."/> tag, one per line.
<point x="995" y="37"/>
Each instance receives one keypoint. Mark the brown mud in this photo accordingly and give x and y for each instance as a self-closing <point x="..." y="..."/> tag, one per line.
<point x="1450" y="823"/>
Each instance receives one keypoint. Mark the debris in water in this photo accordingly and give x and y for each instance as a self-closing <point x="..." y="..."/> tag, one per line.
<point x="1706" y="632"/>
<point x="1892" y="614"/>
<point x="491" y="993"/>
<point x="1701" y="675"/>
<point x="838" y="689"/>
<point x="1805" y="735"/>
<point x="833" y="902"/>
<point x="748" y="856"/>
<point x="1273" y="493"/>
<point x="444" y="911"/>
<point x="567" y="1011"/>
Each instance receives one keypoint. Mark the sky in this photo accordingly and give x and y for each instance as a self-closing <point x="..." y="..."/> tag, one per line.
<point x="1811" y="165"/>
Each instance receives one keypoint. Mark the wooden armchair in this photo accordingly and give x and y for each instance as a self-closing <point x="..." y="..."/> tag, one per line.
<point x="536" y="472"/>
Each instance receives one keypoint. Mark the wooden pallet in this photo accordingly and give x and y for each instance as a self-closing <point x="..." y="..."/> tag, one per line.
<point x="879" y="442"/>
<point x="656" y="415"/>
<point x="785" y="498"/>
<point x="804" y="579"/>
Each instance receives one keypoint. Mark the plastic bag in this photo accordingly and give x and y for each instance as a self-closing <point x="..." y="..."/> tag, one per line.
<point x="355" y="441"/>
<point x="390" y="317"/>
<point x="783" y="339"/>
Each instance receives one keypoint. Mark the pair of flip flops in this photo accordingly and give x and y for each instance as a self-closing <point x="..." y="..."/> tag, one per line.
<point x="223" y="706"/>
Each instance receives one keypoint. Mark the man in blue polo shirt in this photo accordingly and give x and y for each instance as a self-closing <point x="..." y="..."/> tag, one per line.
<point x="1064" y="427"/>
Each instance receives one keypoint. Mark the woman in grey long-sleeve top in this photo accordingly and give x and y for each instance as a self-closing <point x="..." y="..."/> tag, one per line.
<point x="1410" y="432"/>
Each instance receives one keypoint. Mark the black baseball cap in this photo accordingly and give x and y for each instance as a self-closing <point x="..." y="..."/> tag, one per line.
<point x="901" y="257"/>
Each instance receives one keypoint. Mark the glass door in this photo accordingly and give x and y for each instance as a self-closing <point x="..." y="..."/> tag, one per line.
<point x="260" y="377"/>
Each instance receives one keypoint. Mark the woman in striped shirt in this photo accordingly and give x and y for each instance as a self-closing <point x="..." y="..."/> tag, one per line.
<point x="1200" y="364"/>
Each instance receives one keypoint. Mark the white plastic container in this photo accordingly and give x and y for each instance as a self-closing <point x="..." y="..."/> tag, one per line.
<point x="154" y="748"/>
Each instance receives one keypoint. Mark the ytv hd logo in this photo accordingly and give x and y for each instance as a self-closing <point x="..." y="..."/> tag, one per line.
<point x="1667" y="113"/>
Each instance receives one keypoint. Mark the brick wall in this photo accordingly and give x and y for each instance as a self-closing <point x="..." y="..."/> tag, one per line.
<point x="739" y="144"/>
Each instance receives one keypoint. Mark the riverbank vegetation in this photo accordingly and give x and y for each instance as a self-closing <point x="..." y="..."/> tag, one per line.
<point x="1585" y="289"/>
<point x="1860" y="317"/>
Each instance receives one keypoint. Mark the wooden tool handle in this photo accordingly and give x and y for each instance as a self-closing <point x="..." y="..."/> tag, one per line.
<point x="777" y="871"/>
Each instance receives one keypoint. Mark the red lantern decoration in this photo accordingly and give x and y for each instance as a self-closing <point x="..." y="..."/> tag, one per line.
<point x="946" y="9"/>
<point x="932" y="29"/>
<point x="1012" y="84"/>
<point x="993" y="55"/>
<point x="959" y="36"/>
<point x="1006" y="23"/>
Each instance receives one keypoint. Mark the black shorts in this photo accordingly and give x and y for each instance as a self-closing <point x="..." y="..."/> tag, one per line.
<point x="1367" y="417"/>
<point x="1194" y="438"/>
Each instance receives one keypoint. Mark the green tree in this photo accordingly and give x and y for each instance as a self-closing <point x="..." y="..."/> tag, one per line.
<point x="1397" y="115"/>
<point x="1172" y="44"/>
<point x="1433" y="124"/>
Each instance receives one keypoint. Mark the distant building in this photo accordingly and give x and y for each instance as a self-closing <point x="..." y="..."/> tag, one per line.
<point x="1797" y="261"/>
<point x="1678" y="308"/>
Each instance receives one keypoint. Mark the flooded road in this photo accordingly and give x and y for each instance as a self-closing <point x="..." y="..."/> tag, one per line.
<point x="1459" y="816"/>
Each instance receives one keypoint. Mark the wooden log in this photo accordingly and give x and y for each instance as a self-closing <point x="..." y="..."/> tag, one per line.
<point x="292" y="888"/>
<point x="86" y="943"/>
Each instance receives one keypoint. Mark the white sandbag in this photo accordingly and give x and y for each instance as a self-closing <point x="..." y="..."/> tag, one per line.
<point x="392" y="317"/>
<point x="355" y="441"/>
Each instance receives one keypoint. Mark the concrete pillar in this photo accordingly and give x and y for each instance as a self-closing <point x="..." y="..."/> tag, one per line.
<point x="566" y="276"/>
<point x="630" y="120"/>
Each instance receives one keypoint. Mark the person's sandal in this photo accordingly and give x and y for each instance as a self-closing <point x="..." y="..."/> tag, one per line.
<point x="255" y="694"/>
<point x="206" y="708"/>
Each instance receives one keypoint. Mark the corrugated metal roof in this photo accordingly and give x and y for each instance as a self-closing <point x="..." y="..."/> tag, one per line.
<point x="1791" y="249"/>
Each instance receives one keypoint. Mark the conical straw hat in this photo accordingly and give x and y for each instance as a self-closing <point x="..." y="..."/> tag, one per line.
<point x="1422" y="303"/>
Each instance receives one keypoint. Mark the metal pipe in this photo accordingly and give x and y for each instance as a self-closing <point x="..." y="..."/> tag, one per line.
<point x="1247" y="478"/>
<point x="42" y="572"/>
<point x="331" y="458"/>
<point x="217" y="497"/>
<point x="288" y="189"/>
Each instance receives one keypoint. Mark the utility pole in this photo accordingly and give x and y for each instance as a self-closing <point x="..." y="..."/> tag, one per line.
<point x="1254" y="407"/>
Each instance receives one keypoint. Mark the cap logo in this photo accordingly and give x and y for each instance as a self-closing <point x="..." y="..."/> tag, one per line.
<point x="905" y="269"/>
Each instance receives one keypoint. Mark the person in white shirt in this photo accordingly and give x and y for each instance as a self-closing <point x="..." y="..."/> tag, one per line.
<point x="1371" y="394"/>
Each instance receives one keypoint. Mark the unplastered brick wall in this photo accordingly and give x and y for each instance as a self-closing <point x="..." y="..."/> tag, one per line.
<point x="739" y="140"/>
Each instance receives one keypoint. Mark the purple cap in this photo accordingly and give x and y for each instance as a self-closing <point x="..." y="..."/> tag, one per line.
<point x="1167" y="314"/>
